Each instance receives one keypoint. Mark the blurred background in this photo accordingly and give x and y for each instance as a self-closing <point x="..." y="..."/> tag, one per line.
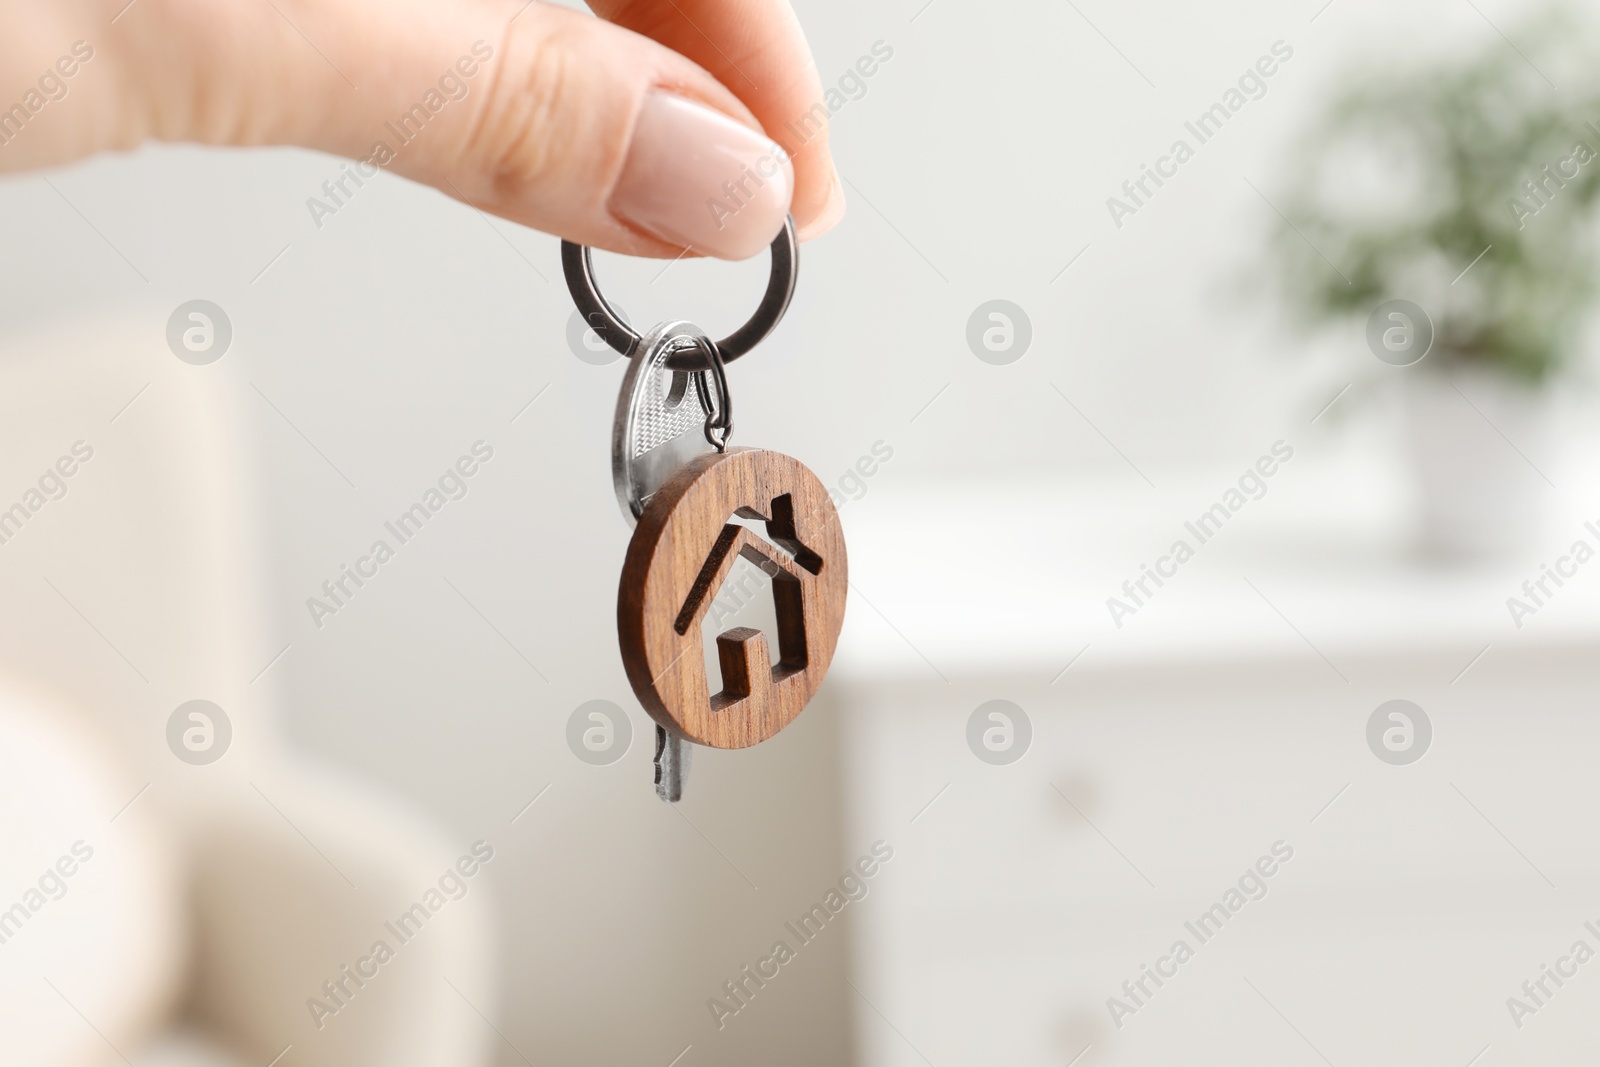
<point x="1339" y="347"/>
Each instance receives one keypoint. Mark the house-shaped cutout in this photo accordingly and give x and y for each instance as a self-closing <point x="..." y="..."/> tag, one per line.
<point x="742" y="652"/>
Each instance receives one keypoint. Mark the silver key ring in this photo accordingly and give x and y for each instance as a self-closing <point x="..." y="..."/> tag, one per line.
<point x="579" y="269"/>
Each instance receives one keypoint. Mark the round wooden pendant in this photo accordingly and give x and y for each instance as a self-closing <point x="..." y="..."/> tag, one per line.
<point x="681" y="553"/>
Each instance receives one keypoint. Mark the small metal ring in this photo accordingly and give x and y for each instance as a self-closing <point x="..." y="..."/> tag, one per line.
<point x="719" y="411"/>
<point x="576" y="263"/>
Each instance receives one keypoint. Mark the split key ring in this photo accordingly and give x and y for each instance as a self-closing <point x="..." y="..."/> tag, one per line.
<point x="579" y="269"/>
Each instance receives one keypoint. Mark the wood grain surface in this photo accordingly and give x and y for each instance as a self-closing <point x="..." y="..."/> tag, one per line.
<point x="681" y="553"/>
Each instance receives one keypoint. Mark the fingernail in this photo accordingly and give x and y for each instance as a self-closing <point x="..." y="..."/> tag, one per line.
<point x="832" y="211"/>
<point x="696" y="177"/>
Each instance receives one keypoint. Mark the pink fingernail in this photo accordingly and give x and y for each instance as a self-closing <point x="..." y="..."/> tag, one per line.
<point x="696" y="177"/>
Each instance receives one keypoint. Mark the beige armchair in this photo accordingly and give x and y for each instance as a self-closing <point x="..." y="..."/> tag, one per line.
<point x="223" y="902"/>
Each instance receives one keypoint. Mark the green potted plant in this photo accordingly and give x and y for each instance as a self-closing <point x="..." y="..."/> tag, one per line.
<point x="1465" y="186"/>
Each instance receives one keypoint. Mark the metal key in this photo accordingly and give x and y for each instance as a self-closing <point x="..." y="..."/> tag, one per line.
<point x="660" y="423"/>
<point x="659" y="426"/>
<point x="673" y="755"/>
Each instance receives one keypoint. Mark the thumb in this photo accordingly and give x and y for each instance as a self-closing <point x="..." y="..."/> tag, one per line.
<point x="545" y="116"/>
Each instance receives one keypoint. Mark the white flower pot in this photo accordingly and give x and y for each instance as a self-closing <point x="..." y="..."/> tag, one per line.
<point x="1479" y="448"/>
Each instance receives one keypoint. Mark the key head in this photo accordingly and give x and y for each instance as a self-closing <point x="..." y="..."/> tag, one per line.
<point x="659" y="423"/>
<point x="682" y="551"/>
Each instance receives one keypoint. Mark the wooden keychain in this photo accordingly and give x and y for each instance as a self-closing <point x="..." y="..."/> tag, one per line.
<point x="683" y="487"/>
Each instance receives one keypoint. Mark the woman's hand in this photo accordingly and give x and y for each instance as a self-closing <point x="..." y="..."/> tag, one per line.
<point x="641" y="133"/>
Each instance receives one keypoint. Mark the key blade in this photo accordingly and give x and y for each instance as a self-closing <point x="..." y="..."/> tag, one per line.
<point x="673" y="754"/>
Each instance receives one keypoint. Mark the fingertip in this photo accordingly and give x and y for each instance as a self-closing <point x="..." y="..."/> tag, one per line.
<point x="827" y="216"/>
<point x="697" y="177"/>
